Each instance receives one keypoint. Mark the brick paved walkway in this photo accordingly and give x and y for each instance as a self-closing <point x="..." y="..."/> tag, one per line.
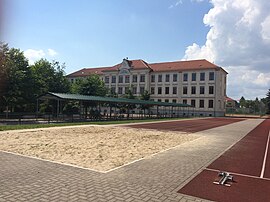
<point x="156" y="178"/>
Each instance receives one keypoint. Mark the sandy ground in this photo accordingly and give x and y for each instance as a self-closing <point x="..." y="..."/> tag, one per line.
<point x="95" y="147"/>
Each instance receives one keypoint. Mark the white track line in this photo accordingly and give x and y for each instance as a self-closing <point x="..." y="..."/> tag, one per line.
<point x="243" y="175"/>
<point x="265" y="156"/>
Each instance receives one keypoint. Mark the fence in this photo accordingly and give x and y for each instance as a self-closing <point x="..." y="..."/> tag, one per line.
<point x="47" y="118"/>
<point x="260" y="111"/>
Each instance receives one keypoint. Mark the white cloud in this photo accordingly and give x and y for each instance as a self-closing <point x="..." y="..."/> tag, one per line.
<point x="266" y="29"/>
<point x="52" y="52"/>
<point x="179" y="2"/>
<point x="34" y="55"/>
<point x="239" y="41"/>
<point x="198" y="1"/>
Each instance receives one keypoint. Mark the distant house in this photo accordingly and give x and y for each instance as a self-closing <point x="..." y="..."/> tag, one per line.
<point x="230" y="103"/>
<point x="199" y="83"/>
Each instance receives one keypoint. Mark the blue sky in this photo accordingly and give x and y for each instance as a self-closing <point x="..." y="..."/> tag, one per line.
<point x="234" y="34"/>
<point x="101" y="33"/>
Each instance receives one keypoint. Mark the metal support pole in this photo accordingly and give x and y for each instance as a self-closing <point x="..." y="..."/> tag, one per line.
<point x="37" y="110"/>
<point x="57" y="110"/>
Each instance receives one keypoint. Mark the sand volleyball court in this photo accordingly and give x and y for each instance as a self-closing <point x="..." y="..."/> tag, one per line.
<point x="96" y="147"/>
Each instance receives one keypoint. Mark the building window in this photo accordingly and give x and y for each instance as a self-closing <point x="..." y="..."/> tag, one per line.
<point x="141" y="90"/>
<point x="185" y="90"/>
<point x="159" y="90"/>
<point x="194" y="76"/>
<point x="185" y="77"/>
<point x="167" y="90"/>
<point x="174" y="90"/>
<point x="201" y="103"/>
<point x="193" y="103"/>
<point x="160" y="78"/>
<point x="134" y="78"/>
<point x="201" y="90"/>
<point x="175" y="77"/>
<point x="152" y="90"/>
<point x="142" y="78"/>
<point x="112" y="89"/>
<point x="211" y="76"/>
<point x="71" y="80"/>
<point x="120" y="79"/>
<point x="193" y="90"/>
<point x="174" y="100"/>
<point x="184" y="101"/>
<point x="202" y="76"/>
<point x="211" y="90"/>
<point x="127" y="79"/>
<point x="159" y="100"/>
<point x="134" y="90"/>
<point x="153" y="77"/>
<point x="120" y="90"/>
<point x="166" y="100"/>
<point x="167" y="78"/>
<point x="113" y="79"/>
<point x="210" y="103"/>
<point x="107" y="79"/>
<point x="126" y="89"/>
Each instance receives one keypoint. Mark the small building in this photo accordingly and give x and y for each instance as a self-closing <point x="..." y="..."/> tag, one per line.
<point x="230" y="103"/>
<point x="198" y="83"/>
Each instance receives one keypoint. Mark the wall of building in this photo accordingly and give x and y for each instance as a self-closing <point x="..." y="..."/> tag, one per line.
<point x="206" y="103"/>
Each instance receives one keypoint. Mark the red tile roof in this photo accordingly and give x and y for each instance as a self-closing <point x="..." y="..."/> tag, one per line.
<point x="229" y="99"/>
<point x="134" y="64"/>
<point x="87" y="71"/>
<point x="183" y="66"/>
<point x="179" y="66"/>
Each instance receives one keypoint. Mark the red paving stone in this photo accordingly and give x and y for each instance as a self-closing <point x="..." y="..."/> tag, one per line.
<point x="267" y="166"/>
<point x="245" y="159"/>
<point x="188" y="125"/>
<point x="245" y="189"/>
<point x="246" y="156"/>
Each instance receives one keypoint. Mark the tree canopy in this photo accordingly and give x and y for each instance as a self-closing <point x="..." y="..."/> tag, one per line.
<point x="268" y="101"/>
<point x="49" y="76"/>
<point x="17" y="77"/>
<point x="21" y="83"/>
<point x="92" y="85"/>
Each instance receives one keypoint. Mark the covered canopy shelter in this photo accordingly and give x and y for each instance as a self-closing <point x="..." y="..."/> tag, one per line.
<point x="115" y="108"/>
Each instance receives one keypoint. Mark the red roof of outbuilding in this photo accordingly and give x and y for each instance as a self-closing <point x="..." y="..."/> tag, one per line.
<point x="229" y="99"/>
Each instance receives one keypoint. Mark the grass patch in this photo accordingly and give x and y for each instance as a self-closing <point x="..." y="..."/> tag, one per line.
<point x="32" y="126"/>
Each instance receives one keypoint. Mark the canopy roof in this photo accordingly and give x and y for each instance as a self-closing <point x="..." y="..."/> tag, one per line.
<point x="78" y="97"/>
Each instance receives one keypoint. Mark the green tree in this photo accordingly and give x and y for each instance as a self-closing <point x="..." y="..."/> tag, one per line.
<point x="145" y="95"/>
<point x="20" y="83"/>
<point x="92" y="85"/>
<point x="19" y="80"/>
<point x="49" y="77"/>
<point x="257" y="105"/>
<point x="3" y="74"/>
<point x="242" y="102"/>
<point x="128" y="107"/>
<point x="268" y="102"/>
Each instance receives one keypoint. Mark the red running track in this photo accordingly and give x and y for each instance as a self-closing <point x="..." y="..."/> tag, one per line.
<point x="248" y="161"/>
<point x="188" y="125"/>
